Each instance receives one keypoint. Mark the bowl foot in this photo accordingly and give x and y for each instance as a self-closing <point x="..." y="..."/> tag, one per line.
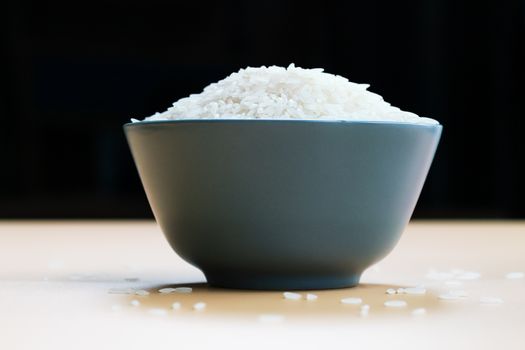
<point x="280" y="282"/>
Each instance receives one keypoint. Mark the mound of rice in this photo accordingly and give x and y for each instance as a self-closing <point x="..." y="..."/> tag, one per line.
<point x="286" y="93"/>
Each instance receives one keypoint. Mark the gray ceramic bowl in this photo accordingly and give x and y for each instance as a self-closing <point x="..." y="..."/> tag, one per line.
<point x="265" y="204"/>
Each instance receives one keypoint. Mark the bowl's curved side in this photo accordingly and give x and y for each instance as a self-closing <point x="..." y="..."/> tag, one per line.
<point x="283" y="204"/>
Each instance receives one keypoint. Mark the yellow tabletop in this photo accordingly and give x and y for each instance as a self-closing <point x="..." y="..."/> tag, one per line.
<point x="77" y="285"/>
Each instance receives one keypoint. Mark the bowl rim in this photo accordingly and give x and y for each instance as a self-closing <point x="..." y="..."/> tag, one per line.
<point x="279" y="121"/>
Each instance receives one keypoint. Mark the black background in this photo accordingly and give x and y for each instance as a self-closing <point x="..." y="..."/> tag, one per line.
<point x="72" y="73"/>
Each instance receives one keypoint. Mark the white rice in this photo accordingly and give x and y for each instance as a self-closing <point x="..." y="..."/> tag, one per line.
<point x="183" y="290"/>
<point x="514" y="275"/>
<point x="121" y="291"/>
<point x="311" y="297"/>
<point x="291" y="296"/>
<point x="491" y="300"/>
<point x="351" y="301"/>
<point x="454" y="274"/>
<point x="395" y="303"/>
<point x="419" y="311"/>
<point x="364" y="310"/>
<point x="468" y="275"/>
<point x="286" y="93"/>
<point x="141" y="292"/>
<point x="415" y="290"/>
<point x="199" y="306"/>
<point x="448" y="296"/>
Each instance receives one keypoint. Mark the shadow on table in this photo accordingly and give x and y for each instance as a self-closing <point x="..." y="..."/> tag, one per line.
<point x="250" y="304"/>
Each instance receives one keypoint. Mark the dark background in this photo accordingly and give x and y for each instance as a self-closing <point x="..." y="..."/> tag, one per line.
<point x="72" y="73"/>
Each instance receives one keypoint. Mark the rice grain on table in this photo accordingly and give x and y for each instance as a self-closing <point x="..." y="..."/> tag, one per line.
<point x="514" y="275"/>
<point x="199" y="306"/>
<point x="491" y="300"/>
<point x="395" y="303"/>
<point x="448" y="296"/>
<point x="351" y="301"/>
<point x="141" y="292"/>
<point x="468" y="275"/>
<point x="415" y="290"/>
<point x="311" y="297"/>
<point x="419" y="311"/>
<point x="292" y="296"/>
<point x="121" y="291"/>
<point x="364" y="310"/>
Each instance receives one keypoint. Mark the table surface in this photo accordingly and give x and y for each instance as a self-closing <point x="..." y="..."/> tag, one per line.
<point x="63" y="284"/>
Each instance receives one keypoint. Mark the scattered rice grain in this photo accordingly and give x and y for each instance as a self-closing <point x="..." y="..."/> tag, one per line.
<point x="419" y="311"/>
<point x="395" y="303"/>
<point x="141" y="292"/>
<point x="183" y="290"/>
<point x="166" y="290"/>
<point x="449" y="296"/>
<point x="351" y="301"/>
<point x="468" y="275"/>
<point x="121" y="291"/>
<point x="415" y="290"/>
<point x="311" y="297"/>
<point x="490" y="300"/>
<point x="514" y="275"/>
<point x="199" y="306"/>
<point x="135" y="302"/>
<point x="364" y="310"/>
<point x="292" y="296"/>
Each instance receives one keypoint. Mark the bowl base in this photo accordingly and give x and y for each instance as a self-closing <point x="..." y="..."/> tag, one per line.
<point x="273" y="282"/>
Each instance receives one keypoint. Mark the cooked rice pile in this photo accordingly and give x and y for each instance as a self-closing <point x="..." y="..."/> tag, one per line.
<point x="287" y="93"/>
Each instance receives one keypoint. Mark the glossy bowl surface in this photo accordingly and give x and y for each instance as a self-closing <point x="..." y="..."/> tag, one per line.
<point x="276" y="204"/>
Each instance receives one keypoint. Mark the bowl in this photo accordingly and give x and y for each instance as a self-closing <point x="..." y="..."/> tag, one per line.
<point x="280" y="204"/>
